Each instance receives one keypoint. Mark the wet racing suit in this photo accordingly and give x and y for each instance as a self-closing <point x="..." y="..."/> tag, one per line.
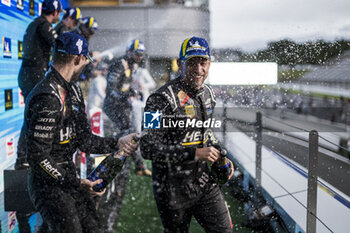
<point x="183" y="186"/>
<point x="55" y="126"/>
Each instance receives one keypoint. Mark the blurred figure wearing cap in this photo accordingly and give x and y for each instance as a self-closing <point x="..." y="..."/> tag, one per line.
<point x="182" y="182"/>
<point x="69" y="21"/>
<point x="87" y="28"/>
<point x="55" y="126"/>
<point x="120" y="94"/>
<point x="118" y="107"/>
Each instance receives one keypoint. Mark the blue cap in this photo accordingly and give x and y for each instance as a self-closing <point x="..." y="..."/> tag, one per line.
<point x="194" y="47"/>
<point x="52" y="5"/>
<point x="73" y="44"/>
<point x="90" y="23"/>
<point x="73" y="12"/>
<point x="137" y="46"/>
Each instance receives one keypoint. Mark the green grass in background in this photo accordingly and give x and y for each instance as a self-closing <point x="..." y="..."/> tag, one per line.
<point x="139" y="212"/>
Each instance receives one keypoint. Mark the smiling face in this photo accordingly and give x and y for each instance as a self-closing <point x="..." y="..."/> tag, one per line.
<point x="195" y="71"/>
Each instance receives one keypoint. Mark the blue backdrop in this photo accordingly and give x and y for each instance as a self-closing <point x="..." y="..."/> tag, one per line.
<point x="15" y="15"/>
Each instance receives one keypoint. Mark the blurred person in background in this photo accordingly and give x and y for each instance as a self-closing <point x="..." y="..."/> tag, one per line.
<point x="69" y="21"/>
<point x="120" y="93"/>
<point x="38" y="41"/>
<point x="118" y="103"/>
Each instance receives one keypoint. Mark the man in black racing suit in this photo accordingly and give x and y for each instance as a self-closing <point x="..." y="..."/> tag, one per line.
<point x="119" y="91"/>
<point x="55" y="126"/>
<point x="37" y="44"/>
<point x="175" y="139"/>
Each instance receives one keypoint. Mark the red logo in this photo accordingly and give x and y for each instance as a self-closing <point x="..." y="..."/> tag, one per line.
<point x="12" y="221"/>
<point x="96" y="123"/>
<point x="10" y="146"/>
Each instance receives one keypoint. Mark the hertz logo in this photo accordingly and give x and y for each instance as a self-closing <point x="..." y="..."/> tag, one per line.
<point x="46" y="165"/>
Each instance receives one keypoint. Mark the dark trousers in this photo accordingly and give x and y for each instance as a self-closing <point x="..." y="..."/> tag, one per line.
<point x="23" y="224"/>
<point x="210" y="211"/>
<point x="65" y="211"/>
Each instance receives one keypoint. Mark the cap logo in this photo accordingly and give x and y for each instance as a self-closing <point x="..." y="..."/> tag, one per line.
<point x="79" y="44"/>
<point x="55" y="3"/>
<point x="194" y="47"/>
<point x="71" y="12"/>
<point x="195" y="44"/>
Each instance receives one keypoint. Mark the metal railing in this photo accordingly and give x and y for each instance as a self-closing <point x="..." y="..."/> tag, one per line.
<point x="312" y="166"/>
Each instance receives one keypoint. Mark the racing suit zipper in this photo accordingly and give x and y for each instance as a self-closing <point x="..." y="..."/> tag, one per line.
<point x="202" y="118"/>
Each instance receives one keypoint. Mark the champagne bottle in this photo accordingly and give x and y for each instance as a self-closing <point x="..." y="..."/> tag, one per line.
<point x="109" y="168"/>
<point x="221" y="168"/>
